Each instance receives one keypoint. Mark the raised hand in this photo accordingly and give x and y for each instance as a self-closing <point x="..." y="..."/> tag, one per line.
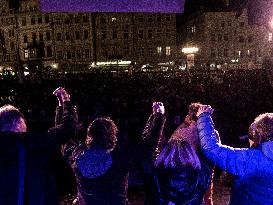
<point x="158" y="107"/>
<point x="204" y="108"/>
<point x="62" y="95"/>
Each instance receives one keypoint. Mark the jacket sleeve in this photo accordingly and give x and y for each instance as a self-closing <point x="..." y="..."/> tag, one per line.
<point x="151" y="134"/>
<point x="233" y="160"/>
<point x="65" y="124"/>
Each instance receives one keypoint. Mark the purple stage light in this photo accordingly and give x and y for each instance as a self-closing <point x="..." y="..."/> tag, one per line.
<point x="162" y="6"/>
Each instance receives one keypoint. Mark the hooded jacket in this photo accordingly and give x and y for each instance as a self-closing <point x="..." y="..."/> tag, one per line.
<point x="252" y="167"/>
<point x="102" y="175"/>
<point x="25" y="168"/>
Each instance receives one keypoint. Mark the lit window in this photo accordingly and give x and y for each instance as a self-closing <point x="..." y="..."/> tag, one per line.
<point x="159" y="50"/>
<point x="26" y="53"/>
<point x="193" y="29"/>
<point x="270" y="37"/>
<point x="239" y="53"/>
<point x="114" y="19"/>
<point x="168" y="50"/>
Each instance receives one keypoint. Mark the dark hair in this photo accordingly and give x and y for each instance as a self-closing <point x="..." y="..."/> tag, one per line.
<point x="193" y="109"/>
<point x="176" y="154"/>
<point x="103" y="133"/>
<point x="261" y="130"/>
<point x="10" y="117"/>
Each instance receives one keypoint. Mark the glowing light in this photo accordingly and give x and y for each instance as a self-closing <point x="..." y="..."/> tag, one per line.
<point x="190" y="50"/>
<point x="55" y="65"/>
<point x="109" y="63"/>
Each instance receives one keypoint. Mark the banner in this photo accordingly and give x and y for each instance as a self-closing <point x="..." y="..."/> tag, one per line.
<point x="155" y="6"/>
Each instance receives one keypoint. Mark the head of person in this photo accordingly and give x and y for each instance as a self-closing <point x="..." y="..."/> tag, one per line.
<point x="178" y="154"/>
<point x="187" y="134"/>
<point x="261" y="130"/>
<point x="11" y="119"/>
<point x="191" y="117"/>
<point x="102" y="133"/>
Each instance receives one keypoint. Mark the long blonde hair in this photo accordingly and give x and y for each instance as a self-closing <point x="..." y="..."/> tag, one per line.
<point x="176" y="154"/>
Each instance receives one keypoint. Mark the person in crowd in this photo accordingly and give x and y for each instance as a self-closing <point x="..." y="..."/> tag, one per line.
<point x="179" y="173"/>
<point x="183" y="175"/>
<point x="252" y="167"/>
<point x="101" y="166"/>
<point x="25" y="171"/>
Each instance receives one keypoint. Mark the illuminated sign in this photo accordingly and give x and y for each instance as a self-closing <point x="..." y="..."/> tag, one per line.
<point x="190" y="50"/>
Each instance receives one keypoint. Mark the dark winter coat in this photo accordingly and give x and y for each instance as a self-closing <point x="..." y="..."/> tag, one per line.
<point x="102" y="176"/>
<point x="185" y="185"/>
<point x="25" y="172"/>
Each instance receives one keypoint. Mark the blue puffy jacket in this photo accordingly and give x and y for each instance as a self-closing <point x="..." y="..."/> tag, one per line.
<point x="253" y="167"/>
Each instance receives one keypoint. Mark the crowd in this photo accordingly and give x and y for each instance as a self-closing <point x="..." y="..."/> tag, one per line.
<point x="236" y="96"/>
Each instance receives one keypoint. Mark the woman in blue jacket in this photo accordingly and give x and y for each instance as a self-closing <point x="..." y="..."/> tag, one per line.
<point x="252" y="167"/>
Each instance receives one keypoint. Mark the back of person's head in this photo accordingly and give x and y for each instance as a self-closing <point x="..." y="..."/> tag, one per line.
<point x="11" y="119"/>
<point x="177" y="154"/>
<point x="193" y="109"/>
<point x="102" y="133"/>
<point x="261" y="130"/>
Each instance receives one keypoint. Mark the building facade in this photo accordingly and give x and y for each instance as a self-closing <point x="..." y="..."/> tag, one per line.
<point x="225" y="40"/>
<point x="80" y="41"/>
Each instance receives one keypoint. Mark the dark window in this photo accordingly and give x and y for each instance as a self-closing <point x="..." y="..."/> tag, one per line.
<point x="67" y="36"/>
<point x="24" y="21"/>
<point x="141" y="51"/>
<point x="219" y="37"/>
<point x="226" y="52"/>
<point x="85" y="35"/>
<point x="250" y="39"/>
<point x="60" y="55"/>
<point x="212" y="37"/>
<point x="85" y="19"/>
<point x="103" y="35"/>
<point x="58" y="21"/>
<point x="49" y="51"/>
<point x="68" y="55"/>
<point x="115" y="34"/>
<point x="150" y="18"/>
<point x="102" y="20"/>
<point x="168" y="17"/>
<point x="213" y="54"/>
<point x="158" y="33"/>
<point x="40" y="20"/>
<point x="46" y="19"/>
<point x="12" y="45"/>
<point x="242" y="24"/>
<point x="225" y="37"/>
<point x="77" y="19"/>
<point x="67" y="20"/>
<point x="41" y="37"/>
<point x="87" y="53"/>
<point x="34" y="37"/>
<point x="222" y="24"/>
<point x="126" y="34"/>
<point x="140" y="34"/>
<point x="25" y="38"/>
<point x="168" y="33"/>
<point x="150" y="34"/>
<point x="77" y="35"/>
<point x="140" y="19"/>
<point x="158" y="18"/>
<point x="79" y="54"/>
<point x="47" y="36"/>
<point x="241" y="39"/>
<point x="32" y="21"/>
<point x="59" y="36"/>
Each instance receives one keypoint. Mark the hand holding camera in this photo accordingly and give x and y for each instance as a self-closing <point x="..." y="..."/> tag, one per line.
<point x="62" y="95"/>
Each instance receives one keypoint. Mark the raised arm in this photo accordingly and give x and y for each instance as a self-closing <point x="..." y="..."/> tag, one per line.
<point x="65" y="119"/>
<point x="233" y="160"/>
<point x="153" y="129"/>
